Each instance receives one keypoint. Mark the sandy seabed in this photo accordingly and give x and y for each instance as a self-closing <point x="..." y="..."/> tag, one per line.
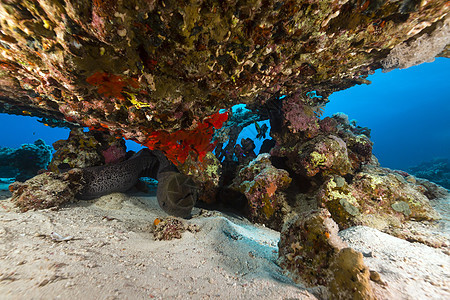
<point x="112" y="254"/>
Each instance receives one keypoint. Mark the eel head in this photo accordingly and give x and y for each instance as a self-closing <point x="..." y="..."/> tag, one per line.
<point x="176" y="193"/>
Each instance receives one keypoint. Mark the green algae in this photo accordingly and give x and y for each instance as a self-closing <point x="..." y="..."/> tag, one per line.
<point x="401" y="207"/>
<point x="352" y="210"/>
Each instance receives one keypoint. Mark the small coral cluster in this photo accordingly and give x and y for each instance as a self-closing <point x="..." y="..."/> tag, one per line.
<point x="86" y="149"/>
<point x="326" y="154"/>
<point x="171" y="228"/>
<point x="300" y="117"/>
<point x="321" y="147"/>
<point x="46" y="190"/>
<point x="24" y="162"/>
<point x="206" y="174"/>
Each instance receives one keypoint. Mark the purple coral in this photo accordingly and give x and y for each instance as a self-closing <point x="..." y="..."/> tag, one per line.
<point x="301" y="118"/>
<point x="113" y="154"/>
<point x="328" y="125"/>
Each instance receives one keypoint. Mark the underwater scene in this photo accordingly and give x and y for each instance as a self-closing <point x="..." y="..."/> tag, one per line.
<point x="224" y="149"/>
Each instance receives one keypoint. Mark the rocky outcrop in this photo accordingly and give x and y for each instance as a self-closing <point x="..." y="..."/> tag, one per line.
<point x="376" y="197"/>
<point x="312" y="252"/>
<point x="87" y="149"/>
<point x="263" y="186"/>
<point x="47" y="190"/>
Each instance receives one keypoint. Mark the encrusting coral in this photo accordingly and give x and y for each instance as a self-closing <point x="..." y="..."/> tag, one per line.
<point x="350" y="277"/>
<point x="206" y="174"/>
<point x="324" y="155"/>
<point x="332" y="146"/>
<point x="312" y="252"/>
<point x="171" y="228"/>
<point x="263" y="185"/>
<point x="376" y="198"/>
<point x="47" y="190"/>
<point x="300" y="117"/>
<point x="86" y="149"/>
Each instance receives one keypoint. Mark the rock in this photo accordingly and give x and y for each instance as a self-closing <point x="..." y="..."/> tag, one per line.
<point x="375" y="276"/>
<point x="324" y="154"/>
<point x="432" y="190"/>
<point x="308" y="245"/>
<point x="313" y="253"/>
<point x="171" y="228"/>
<point x="320" y="148"/>
<point x="350" y="277"/>
<point x="87" y="149"/>
<point x="206" y="174"/>
<point x="376" y="197"/>
<point x="46" y="190"/>
<point x="262" y="184"/>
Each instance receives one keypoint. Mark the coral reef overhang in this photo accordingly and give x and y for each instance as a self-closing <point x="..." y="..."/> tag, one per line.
<point x="136" y="67"/>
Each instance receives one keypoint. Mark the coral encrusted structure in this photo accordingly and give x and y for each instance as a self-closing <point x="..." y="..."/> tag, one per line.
<point x="376" y="197"/>
<point x="87" y="149"/>
<point x="137" y="67"/>
<point x="312" y="252"/>
<point x="47" y="190"/>
<point x="263" y="185"/>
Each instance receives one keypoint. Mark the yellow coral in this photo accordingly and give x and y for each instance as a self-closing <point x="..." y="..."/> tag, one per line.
<point x="136" y="103"/>
<point x="317" y="158"/>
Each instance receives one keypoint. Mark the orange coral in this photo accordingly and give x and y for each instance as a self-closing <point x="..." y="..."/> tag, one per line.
<point x="179" y="144"/>
<point x="271" y="189"/>
<point x="110" y="85"/>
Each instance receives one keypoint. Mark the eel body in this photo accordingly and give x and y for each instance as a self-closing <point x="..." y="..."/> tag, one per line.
<point x="176" y="192"/>
<point x="118" y="177"/>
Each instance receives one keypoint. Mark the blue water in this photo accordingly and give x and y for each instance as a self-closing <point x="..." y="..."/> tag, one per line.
<point x="407" y="110"/>
<point x="26" y="130"/>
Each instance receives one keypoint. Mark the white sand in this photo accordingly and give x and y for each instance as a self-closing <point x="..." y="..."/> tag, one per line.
<point x="229" y="258"/>
<point x="411" y="270"/>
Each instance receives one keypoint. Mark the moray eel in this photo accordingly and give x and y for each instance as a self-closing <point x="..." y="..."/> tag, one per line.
<point x="176" y="192"/>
